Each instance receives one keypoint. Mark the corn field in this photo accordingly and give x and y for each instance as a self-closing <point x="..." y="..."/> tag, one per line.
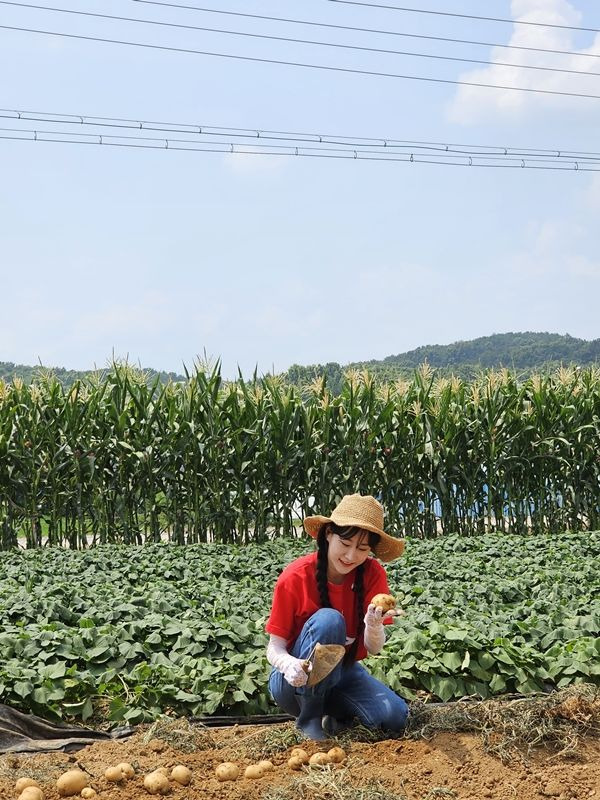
<point x="116" y="460"/>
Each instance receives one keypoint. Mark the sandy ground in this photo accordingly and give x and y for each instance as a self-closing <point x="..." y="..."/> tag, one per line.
<point x="448" y="766"/>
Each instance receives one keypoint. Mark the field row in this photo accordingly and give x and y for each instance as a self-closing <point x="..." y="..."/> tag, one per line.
<point x="128" y="632"/>
<point x="120" y="461"/>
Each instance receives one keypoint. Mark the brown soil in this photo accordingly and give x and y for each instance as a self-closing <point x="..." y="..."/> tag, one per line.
<point x="451" y="765"/>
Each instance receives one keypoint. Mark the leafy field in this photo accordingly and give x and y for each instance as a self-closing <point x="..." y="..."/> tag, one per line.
<point x="128" y="632"/>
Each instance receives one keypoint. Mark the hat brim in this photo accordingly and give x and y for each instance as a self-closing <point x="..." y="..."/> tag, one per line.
<point x="387" y="548"/>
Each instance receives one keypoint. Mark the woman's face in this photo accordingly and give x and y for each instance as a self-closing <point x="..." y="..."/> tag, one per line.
<point x="346" y="554"/>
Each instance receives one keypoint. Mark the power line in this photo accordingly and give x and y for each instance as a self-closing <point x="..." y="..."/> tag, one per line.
<point x="296" y="138"/>
<point x="466" y="16"/>
<point x="291" y="148"/>
<point x="470" y="161"/>
<point x="364" y="30"/>
<point x="327" y="68"/>
<point x="298" y="41"/>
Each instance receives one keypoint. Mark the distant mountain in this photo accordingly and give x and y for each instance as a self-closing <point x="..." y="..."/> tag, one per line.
<point x="523" y="353"/>
<point x="519" y="351"/>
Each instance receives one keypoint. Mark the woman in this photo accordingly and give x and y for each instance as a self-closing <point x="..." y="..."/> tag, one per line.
<point x="320" y="598"/>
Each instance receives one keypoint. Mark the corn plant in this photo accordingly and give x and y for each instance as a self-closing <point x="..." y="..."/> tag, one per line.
<point x="120" y="458"/>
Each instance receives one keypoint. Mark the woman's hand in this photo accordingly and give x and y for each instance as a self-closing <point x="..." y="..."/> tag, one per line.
<point x="375" y="616"/>
<point x="293" y="671"/>
<point x="289" y="666"/>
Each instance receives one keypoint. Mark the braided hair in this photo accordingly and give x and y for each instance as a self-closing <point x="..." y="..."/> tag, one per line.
<point x="322" y="552"/>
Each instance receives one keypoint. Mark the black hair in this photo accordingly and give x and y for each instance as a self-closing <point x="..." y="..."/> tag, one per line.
<point x="346" y="532"/>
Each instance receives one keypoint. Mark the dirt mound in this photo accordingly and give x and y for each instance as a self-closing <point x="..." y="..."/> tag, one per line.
<point x="450" y="765"/>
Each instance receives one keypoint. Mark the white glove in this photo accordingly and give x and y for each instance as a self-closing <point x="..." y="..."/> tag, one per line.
<point x="374" y="632"/>
<point x="288" y="665"/>
<point x="374" y="616"/>
<point x="293" y="671"/>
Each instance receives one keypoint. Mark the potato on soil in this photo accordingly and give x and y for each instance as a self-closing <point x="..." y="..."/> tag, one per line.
<point x="253" y="772"/>
<point x="266" y="766"/>
<point x="181" y="774"/>
<point x="156" y="783"/>
<point x="298" y="752"/>
<point x="227" y="771"/>
<point x="31" y="793"/>
<point x="319" y="759"/>
<point x="72" y="782"/>
<point x="336" y="755"/>
<point x="88" y="793"/>
<point x="23" y="783"/>
<point x="295" y="762"/>
<point x="384" y="601"/>
<point x="114" y="774"/>
<point x="126" y="768"/>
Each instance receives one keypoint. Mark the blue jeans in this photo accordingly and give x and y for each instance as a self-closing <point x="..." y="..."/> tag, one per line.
<point x="348" y="691"/>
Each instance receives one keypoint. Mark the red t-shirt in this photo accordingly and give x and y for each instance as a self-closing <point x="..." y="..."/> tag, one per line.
<point x="296" y="598"/>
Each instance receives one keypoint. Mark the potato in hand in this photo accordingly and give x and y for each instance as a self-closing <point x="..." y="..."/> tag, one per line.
<point x="384" y="601"/>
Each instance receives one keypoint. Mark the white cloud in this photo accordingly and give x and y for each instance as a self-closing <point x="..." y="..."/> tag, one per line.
<point x="251" y="164"/>
<point x="583" y="267"/>
<point x="555" y="250"/>
<point x="472" y="104"/>
<point x="593" y="193"/>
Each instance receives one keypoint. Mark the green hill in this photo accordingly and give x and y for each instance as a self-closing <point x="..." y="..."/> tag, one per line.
<point x="523" y="353"/>
<point x="519" y="351"/>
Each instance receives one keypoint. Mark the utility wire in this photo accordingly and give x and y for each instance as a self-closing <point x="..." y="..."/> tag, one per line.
<point x="355" y="156"/>
<point x="254" y="59"/>
<point x="466" y="16"/>
<point x="298" y="41"/>
<point x="287" y="149"/>
<point x="364" y="30"/>
<point x="353" y="142"/>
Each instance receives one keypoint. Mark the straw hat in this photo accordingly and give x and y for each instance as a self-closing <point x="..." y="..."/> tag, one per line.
<point x="364" y="512"/>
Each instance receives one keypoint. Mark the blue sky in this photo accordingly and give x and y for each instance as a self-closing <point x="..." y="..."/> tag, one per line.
<point x="160" y="256"/>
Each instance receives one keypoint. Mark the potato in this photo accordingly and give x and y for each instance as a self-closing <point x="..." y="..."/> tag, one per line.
<point x="227" y="771"/>
<point x="88" y="793"/>
<point x="127" y="770"/>
<point x="31" y="793"/>
<point x="319" y="759"/>
<point x="254" y="771"/>
<point x="181" y="774"/>
<point x="296" y="762"/>
<point x="384" y="601"/>
<point x="298" y="752"/>
<point x="156" y="783"/>
<point x="72" y="782"/>
<point x="23" y="783"/>
<point x="266" y="766"/>
<point x="114" y="774"/>
<point x="336" y="755"/>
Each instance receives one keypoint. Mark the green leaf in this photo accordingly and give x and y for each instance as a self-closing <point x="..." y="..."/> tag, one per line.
<point x="187" y="697"/>
<point x="453" y="635"/>
<point x="23" y="688"/>
<point x="451" y="660"/>
<point x="444" y="688"/>
<point x="56" y="670"/>
<point x="486" y="660"/>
